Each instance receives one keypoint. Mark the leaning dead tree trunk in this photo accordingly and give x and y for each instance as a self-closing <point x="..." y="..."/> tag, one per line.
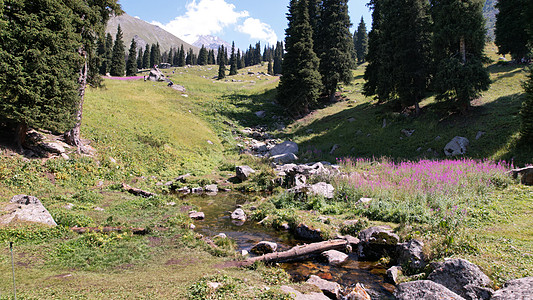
<point x="298" y="252"/>
<point x="72" y="137"/>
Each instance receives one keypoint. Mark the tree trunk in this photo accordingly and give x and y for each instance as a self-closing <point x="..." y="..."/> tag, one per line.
<point x="417" y="109"/>
<point x="332" y="96"/>
<point x="462" y="49"/>
<point x="72" y="137"/>
<point x="20" y="135"/>
<point x="298" y="252"/>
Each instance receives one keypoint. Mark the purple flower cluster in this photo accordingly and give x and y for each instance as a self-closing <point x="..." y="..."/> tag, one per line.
<point x="426" y="179"/>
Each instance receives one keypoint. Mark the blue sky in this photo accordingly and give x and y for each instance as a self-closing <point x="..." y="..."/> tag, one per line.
<point x="243" y="21"/>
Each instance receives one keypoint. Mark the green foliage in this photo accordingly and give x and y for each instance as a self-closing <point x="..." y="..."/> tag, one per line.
<point x="233" y="61"/>
<point x="360" y="38"/>
<point x="221" y="63"/>
<point x="229" y="288"/>
<point x="202" y="56"/>
<point x="353" y="228"/>
<point x="146" y="57"/>
<point x="86" y="196"/>
<point x="275" y="275"/>
<point x="32" y="234"/>
<point x="300" y="84"/>
<point x="526" y="113"/>
<point x="97" y="251"/>
<point x="131" y="64"/>
<point x="69" y="218"/>
<point x="511" y="28"/>
<point x="118" y="63"/>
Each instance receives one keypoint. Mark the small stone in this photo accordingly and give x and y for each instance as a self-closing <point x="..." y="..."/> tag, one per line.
<point x="196" y="215"/>
<point x="479" y="134"/>
<point x="221" y="235"/>
<point x="334" y="257"/>
<point x="238" y="214"/>
<point x="192" y="226"/>
<point x="264" y="247"/>
<point x="99" y="209"/>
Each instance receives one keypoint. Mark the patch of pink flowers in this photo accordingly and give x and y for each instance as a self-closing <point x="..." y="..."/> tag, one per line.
<point x="428" y="180"/>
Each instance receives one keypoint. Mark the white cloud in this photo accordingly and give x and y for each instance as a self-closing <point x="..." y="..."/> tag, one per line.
<point x="203" y="17"/>
<point x="258" y="30"/>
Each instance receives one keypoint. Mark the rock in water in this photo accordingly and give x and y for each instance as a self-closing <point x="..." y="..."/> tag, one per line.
<point x="424" y="289"/>
<point x="329" y="288"/>
<point x="334" y="257"/>
<point x="26" y="209"/>
<point x="238" y="214"/>
<point x="264" y="247"/>
<point x="457" y="146"/>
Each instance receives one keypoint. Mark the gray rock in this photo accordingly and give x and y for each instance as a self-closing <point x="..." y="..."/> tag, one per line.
<point x="408" y="132"/>
<point x="515" y="289"/>
<point x="461" y="277"/>
<point x="426" y="290"/>
<point x="393" y="273"/>
<point x="334" y="257"/>
<point x="305" y="232"/>
<point x="457" y="146"/>
<point x="410" y="254"/>
<point x="329" y="288"/>
<point x="284" y="158"/>
<point x="334" y="148"/>
<point x="24" y="208"/>
<point x="480" y="134"/>
<point x="296" y="295"/>
<point x="264" y="247"/>
<point x="238" y="214"/>
<point x="156" y="75"/>
<point x="322" y="189"/>
<point x="379" y="235"/>
<point x="243" y="172"/>
<point x="211" y="188"/>
<point x="351" y="120"/>
<point x="52" y="147"/>
<point x="285" y="147"/>
<point x="196" y="215"/>
<point x="260" y="114"/>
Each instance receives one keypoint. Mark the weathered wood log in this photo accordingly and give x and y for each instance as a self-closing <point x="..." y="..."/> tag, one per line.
<point x="527" y="175"/>
<point x="298" y="252"/>
<point x="137" y="192"/>
<point x="108" y="229"/>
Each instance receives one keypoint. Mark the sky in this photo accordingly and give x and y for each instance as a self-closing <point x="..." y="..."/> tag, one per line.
<point x="244" y="21"/>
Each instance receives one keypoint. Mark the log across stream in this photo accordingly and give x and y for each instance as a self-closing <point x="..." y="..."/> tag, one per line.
<point x="217" y="220"/>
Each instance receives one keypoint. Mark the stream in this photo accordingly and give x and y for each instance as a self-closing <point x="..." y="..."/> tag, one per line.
<point x="217" y="220"/>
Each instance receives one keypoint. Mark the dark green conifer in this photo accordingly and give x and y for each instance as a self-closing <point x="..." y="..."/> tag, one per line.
<point x="526" y="113"/>
<point x="300" y="84"/>
<point x="511" y="28"/>
<point x="240" y="62"/>
<point x="118" y="62"/>
<point x="146" y="57"/>
<point x="140" y="58"/>
<point x="131" y="64"/>
<point x="361" y="42"/>
<point x="221" y="63"/>
<point x="181" y="58"/>
<point x="233" y="61"/>
<point x="202" y="56"/>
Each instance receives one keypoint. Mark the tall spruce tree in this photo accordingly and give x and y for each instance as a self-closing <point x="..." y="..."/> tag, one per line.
<point x="146" y="57"/>
<point x="118" y="62"/>
<point x="221" y="63"/>
<point x="202" y="56"/>
<point x="335" y="45"/>
<point x="278" y="58"/>
<point x="361" y="42"/>
<point x="526" y="113"/>
<point x="153" y="54"/>
<point x="106" y="61"/>
<point x="181" y="58"/>
<point x="131" y="64"/>
<point x="458" y="45"/>
<point x="376" y="71"/>
<point x="233" y="61"/>
<point x="300" y="84"/>
<point x="140" y="58"/>
<point x="511" y="28"/>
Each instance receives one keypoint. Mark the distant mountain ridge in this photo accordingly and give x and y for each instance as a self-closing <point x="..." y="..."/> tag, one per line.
<point x="145" y="33"/>
<point x="211" y="42"/>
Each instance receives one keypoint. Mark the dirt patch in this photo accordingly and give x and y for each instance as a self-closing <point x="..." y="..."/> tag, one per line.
<point x="182" y="262"/>
<point x="154" y="241"/>
<point x="230" y="264"/>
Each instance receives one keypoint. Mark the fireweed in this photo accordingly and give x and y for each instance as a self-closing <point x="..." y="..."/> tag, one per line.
<point x="425" y="191"/>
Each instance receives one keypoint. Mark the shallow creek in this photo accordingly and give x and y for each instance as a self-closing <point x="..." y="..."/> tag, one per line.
<point x="217" y="220"/>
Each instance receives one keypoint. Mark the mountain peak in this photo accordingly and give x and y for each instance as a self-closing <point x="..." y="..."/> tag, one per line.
<point x="211" y="42"/>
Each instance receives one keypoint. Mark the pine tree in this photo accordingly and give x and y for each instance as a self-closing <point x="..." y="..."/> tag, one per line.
<point x="106" y="62"/>
<point x="300" y="84"/>
<point x="511" y="28"/>
<point x="140" y="58"/>
<point x="170" y="57"/>
<point x="211" y="57"/>
<point x="526" y="113"/>
<point x="188" y="59"/>
<point x="240" y="62"/>
<point x="131" y="64"/>
<point x="270" y="70"/>
<point x="361" y="42"/>
<point x="153" y="51"/>
<point x="335" y="45"/>
<point x="376" y="71"/>
<point x="278" y="58"/>
<point x="181" y="58"/>
<point x="146" y="57"/>
<point x="157" y="54"/>
<point x="458" y="45"/>
<point x="221" y="63"/>
<point x="164" y="57"/>
<point x="176" y="58"/>
<point x="202" y="56"/>
<point x="118" y="62"/>
<point x="233" y="61"/>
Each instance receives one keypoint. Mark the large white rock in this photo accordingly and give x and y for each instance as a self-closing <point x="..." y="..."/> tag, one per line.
<point x="457" y="146"/>
<point x="285" y="147"/>
<point x="26" y="208"/>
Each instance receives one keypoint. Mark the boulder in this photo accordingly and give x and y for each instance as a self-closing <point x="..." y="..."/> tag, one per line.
<point x="156" y="75"/>
<point x="211" y="188"/>
<point x="238" y="214"/>
<point x="284" y="158"/>
<point x="410" y="254"/>
<point x="304" y="232"/>
<point x="358" y="293"/>
<point x="260" y="114"/>
<point x="264" y="247"/>
<point x="424" y="289"/>
<point x="329" y="288"/>
<point x="26" y="208"/>
<point x="285" y="147"/>
<point x="334" y="257"/>
<point x="462" y="277"/>
<point x="457" y="146"/>
<point x="296" y="295"/>
<point x="393" y="273"/>
<point x="196" y="215"/>
<point x="515" y="289"/>
<point x="322" y="189"/>
<point x="243" y="172"/>
<point x="376" y="242"/>
<point x="52" y="147"/>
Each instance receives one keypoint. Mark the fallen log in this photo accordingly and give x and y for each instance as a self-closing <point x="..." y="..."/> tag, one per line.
<point x="527" y="175"/>
<point x="108" y="229"/>
<point x="298" y="252"/>
<point x="137" y="192"/>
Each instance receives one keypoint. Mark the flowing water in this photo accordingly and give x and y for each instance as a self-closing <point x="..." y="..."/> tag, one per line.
<point x="217" y="220"/>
